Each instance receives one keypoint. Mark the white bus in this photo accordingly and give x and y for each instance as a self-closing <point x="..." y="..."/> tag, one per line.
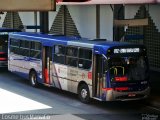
<point x="106" y="71"/>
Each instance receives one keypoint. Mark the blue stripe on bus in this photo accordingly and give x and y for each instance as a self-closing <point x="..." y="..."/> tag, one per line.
<point x="49" y="40"/>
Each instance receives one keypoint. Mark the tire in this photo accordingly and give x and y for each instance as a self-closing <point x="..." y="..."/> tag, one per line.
<point x="33" y="79"/>
<point x="83" y="93"/>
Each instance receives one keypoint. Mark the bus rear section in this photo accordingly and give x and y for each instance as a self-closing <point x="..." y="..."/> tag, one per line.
<point x="4" y="45"/>
<point x="3" y="53"/>
<point x="122" y="74"/>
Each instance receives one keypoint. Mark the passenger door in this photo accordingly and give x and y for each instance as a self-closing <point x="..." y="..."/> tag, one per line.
<point x="47" y="63"/>
<point x="98" y="78"/>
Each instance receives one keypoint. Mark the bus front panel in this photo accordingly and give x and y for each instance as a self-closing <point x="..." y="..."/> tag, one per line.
<point x="126" y="75"/>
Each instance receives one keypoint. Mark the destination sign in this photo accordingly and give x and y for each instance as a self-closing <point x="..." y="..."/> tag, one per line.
<point x="127" y="50"/>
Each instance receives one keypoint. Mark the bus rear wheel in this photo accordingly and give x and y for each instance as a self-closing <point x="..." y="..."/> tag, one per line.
<point x="83" y="93"/>
<point x="33" y="79"/>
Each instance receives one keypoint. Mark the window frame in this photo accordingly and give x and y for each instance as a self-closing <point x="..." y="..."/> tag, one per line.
<point x="14" y="46"/>
<point x="72" y="57"/>
<point x="37" y="50"/>
<point x="79" y="58"/>
<point x="20" y="47"/>
<point x="63" y="55"/>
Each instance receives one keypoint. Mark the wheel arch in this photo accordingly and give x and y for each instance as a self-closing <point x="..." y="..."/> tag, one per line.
<point x="81" y="87"/>
<point x="81" y="83"/>
<point x="32" y="69"/>
<point x="36" y="82"/>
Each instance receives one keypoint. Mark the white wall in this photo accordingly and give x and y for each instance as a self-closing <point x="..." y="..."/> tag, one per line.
<point x="130" y="11"/>
<point x="85" y="19"/>
<point x="154" y="13"/>
<point x="27" y="19"/>
<point x="106" y="22"/>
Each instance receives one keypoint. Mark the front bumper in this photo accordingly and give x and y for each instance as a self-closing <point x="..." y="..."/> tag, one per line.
<point x="112" y="95"/>
<point x="3" y="63"/>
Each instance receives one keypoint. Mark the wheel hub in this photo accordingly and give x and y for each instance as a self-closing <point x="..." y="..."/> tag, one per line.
<point x="84" y="93"/>
<point x="33" y="80"/>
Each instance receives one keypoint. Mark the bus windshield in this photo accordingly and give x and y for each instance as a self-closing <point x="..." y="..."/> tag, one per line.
<point x="3" y="43"/>
<point x="128" y="68"/>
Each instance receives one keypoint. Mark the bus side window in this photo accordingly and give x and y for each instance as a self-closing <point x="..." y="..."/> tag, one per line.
<point x="59" y="54"/>
<point x="35" y="45"/>
<point x="72" y="51"/>
<point x="24" y="48"/>
<point x="14" y="42"/>
<point x="71" y="56"/>
<point x="14" y="50"/>
<point x="85" y="58"/>
<point x="14" y="46"/>
<point x="35" y="49"/>
<point x="71" y="61"/>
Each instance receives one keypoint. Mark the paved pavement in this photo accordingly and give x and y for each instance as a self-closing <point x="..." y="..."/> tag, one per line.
<point x="154" y="99"/>
<point x="63" y="105"/>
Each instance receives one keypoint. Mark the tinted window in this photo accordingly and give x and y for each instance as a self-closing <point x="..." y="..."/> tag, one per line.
<point x="24" y="44"/>
<point x="3" y="45"/>
<point x="15" y="42"/>
<point x="85" y="58"/>
<point x="24" y="52"/>
<point x="59" y="54"/>
<point x="35" y="54"/>
<point x="72" y="56"/>
<point x="85" y="64"/>
<point x="14" y="50"/>
<point x="71" y="61"/>
<point x="71" y="51"/>
<point x="59" y="59"/>
<point x="58" y="49"/>
<point x="134" y="68"/>
<point x="85" y="53"/>
<point x="35" y="45"/>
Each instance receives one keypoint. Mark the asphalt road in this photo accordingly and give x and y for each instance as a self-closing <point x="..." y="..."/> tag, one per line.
<point x="64" y="105"/>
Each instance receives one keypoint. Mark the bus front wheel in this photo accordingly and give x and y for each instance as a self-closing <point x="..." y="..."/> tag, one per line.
<point x="83" y="93"/>
<point x="33" y="79"/>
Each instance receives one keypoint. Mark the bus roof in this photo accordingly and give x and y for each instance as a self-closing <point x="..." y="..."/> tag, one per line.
<point x="3" y="29"/>
<point x="50" y="40"/>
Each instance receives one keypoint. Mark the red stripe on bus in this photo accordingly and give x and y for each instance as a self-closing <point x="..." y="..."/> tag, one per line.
<point x="2" y="52"/>
<point x="121" y="88"/>
<point x="121" y="79"/>
<point x="107" y="89"/>
<point x="3" y="59"/>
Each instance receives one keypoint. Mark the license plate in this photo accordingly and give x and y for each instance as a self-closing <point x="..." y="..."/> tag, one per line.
<point x="131" y="95"/>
